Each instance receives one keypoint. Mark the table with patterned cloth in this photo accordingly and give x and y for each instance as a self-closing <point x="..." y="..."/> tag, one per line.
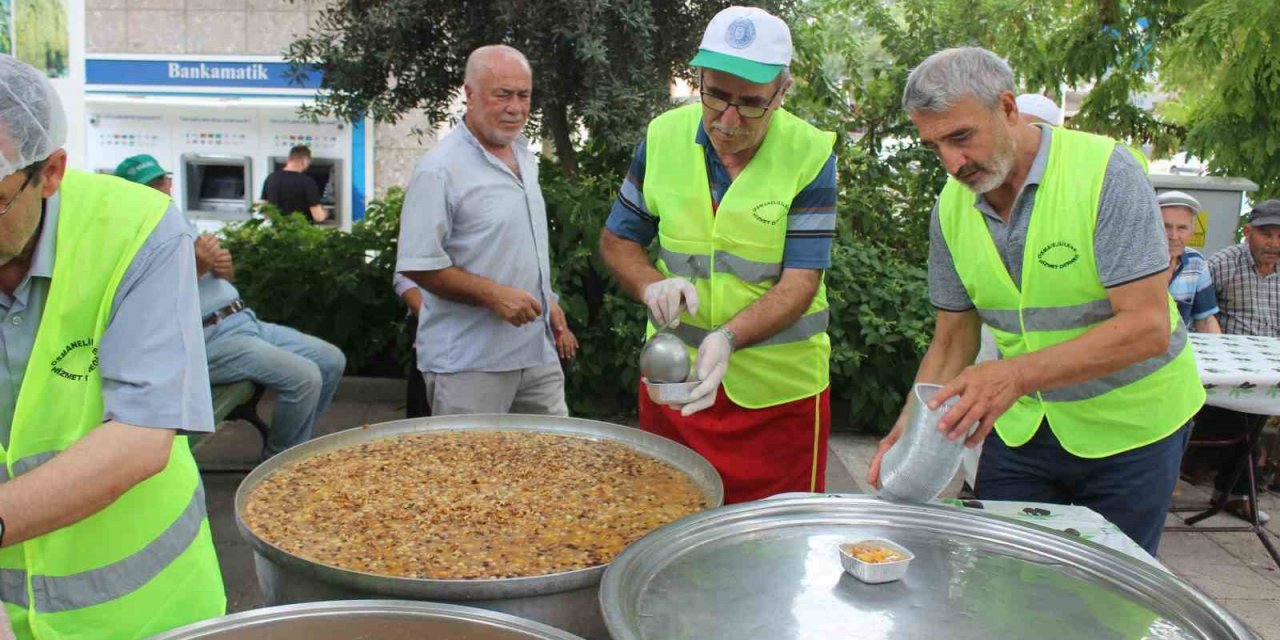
<point x="1241" y="373"/>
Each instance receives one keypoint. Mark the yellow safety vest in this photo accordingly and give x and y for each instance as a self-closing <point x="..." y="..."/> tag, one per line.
<point x="733" y="255"/>
<point x="1061" y="298"/>
<point x="146" y="563"/>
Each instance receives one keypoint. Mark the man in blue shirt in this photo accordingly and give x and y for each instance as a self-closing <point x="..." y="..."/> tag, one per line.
<point x="1190" y="282"/>
<point x="304" y="370"/>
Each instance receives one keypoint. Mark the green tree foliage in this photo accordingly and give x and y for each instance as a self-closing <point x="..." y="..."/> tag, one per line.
<point x="604" y="66"/>
<point x="326" y="283"/>
<point x="1226" y="67"/>
<point x="6" y="19"/>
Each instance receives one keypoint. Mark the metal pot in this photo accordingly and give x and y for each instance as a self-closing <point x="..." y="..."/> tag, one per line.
<point x="771" y="569"/>
<point x="382" y="619"/>
<point x="567" y="600"/>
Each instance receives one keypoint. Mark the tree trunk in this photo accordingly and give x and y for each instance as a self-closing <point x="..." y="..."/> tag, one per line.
<point x="558" y="121"/>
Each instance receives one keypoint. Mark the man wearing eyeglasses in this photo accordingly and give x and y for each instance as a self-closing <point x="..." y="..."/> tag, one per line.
<point x="103" y="531"/>
<point x="740" y="195"/>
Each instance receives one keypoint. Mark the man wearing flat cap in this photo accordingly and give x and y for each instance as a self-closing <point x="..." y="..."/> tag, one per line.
<point x="740" y="195"/>
<point x="1246" y="279"/>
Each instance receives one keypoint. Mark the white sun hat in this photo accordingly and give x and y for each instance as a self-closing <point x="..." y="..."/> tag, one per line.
<point x="747" y="42"/>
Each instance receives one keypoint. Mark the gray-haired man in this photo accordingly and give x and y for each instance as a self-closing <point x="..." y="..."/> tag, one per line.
<point x="473" y="236"/>
<point x="1096" y="383"/>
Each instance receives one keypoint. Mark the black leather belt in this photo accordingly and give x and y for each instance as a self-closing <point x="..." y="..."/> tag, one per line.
<point x="236" y="306"/>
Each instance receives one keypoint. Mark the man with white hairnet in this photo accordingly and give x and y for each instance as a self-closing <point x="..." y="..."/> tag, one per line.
<point x="1052" y="237"/>
<point x="103" y="532"/>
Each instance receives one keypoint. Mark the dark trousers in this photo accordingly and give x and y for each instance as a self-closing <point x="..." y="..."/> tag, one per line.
<point x="1215" y="423"/>
<point x="416" y="404"/>
<point x="1132" y="490"/>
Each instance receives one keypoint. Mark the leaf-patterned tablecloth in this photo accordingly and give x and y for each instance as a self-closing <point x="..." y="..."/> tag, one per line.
<point x="1241" y="373"/>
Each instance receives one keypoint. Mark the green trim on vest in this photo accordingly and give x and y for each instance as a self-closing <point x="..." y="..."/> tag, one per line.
<point x="146" y="563"/>
<point x="1062" y="297"/>
<point x="733" y="255"/>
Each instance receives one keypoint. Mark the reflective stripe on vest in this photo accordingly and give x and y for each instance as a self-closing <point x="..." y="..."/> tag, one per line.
<point x="691" y="266"/>
<point x="806" y="327"/>
<point x="733" y="253"/>
<point x="1048" y="318"/>
<point x="1061" y="297"/>
<point x="145" y="563"/>
<point x="103" y="584"/>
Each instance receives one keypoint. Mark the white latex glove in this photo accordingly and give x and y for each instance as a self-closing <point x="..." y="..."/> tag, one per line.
<point x="664" y="299"/>
<point x="712" y="363"/>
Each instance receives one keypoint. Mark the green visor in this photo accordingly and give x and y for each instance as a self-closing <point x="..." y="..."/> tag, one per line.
<point x="749" y="70"/>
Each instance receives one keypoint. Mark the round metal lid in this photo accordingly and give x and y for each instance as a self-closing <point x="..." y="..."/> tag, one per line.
<point x="770" y="569"/>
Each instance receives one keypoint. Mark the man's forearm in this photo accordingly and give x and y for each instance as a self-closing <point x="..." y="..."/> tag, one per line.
<point x="629" y="263"/>
<point x="1208" y="325"/>
<point x="453" y="283"/>
<point x="777" y="309"/>
<point x="82" y="480"/>
<point x="1124" y="340"/>
<point x="957" y="338"/>
<point x="947" y="357"/>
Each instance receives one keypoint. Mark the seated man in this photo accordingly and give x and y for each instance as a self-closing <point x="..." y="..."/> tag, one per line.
<point x="303" y="370"/>
<point x="1190" y="282"/>
<point x="1248" y="290"/>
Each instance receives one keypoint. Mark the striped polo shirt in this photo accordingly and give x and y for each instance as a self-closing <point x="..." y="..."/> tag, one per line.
<point x="811" y="222"/>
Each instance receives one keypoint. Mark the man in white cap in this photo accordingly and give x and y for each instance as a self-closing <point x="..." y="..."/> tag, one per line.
<point x="1190" y="282"/>
<point x="740" y="195"/>
<point x="103" y="532"/>
<point x="1034" y="108"/>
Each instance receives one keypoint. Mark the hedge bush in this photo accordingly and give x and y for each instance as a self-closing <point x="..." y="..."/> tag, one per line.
<point x="324" y="282"/>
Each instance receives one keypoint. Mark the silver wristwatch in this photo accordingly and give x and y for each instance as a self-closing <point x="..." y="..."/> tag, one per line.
<point x="728" y="333"/>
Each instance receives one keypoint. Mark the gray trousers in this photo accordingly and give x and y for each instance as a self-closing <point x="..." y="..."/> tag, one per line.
<point x="537" y="390"/>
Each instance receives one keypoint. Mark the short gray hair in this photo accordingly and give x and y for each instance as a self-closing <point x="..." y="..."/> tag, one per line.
<point x="480" y="60"/>
<point x="952" y="74"/>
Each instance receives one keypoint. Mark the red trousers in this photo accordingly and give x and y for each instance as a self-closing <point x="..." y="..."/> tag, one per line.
<point x="758" y="452"/>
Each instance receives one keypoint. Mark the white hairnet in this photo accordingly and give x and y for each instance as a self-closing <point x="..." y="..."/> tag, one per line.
<point x="32" y="123"/>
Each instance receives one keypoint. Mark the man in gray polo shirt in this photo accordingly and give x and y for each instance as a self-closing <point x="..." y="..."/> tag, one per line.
<point x="1096" y="382"/>
<point x="473" y="235"/>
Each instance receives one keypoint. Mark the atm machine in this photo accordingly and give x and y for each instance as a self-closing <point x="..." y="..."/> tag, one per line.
<point x="217" y="186"/>
<point x="220" y="152"/>
<point x="327" y="173"/>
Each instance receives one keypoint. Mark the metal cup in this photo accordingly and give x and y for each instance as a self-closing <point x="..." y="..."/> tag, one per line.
<point x="921" y="463"/>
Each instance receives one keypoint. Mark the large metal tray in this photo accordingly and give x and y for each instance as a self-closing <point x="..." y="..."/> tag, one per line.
<point x="381" y="619"/>
<point x="567" y="600"/>
<point x="770" y="569"/>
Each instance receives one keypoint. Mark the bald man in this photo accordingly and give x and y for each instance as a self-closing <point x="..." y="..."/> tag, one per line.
<point x="473" y="236"/>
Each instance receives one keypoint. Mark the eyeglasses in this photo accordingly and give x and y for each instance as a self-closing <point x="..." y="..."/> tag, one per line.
<point x="748" y="111"/>
<point x="14" y="199"/>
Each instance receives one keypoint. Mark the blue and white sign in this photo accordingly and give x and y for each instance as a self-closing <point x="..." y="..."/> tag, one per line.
<point x="220" y="74"/>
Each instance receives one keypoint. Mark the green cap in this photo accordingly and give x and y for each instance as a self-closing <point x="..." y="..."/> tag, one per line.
<point x="141" y="169"/>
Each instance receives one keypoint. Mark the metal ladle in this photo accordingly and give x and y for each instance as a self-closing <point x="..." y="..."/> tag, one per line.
<point x="664" y="357"/>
